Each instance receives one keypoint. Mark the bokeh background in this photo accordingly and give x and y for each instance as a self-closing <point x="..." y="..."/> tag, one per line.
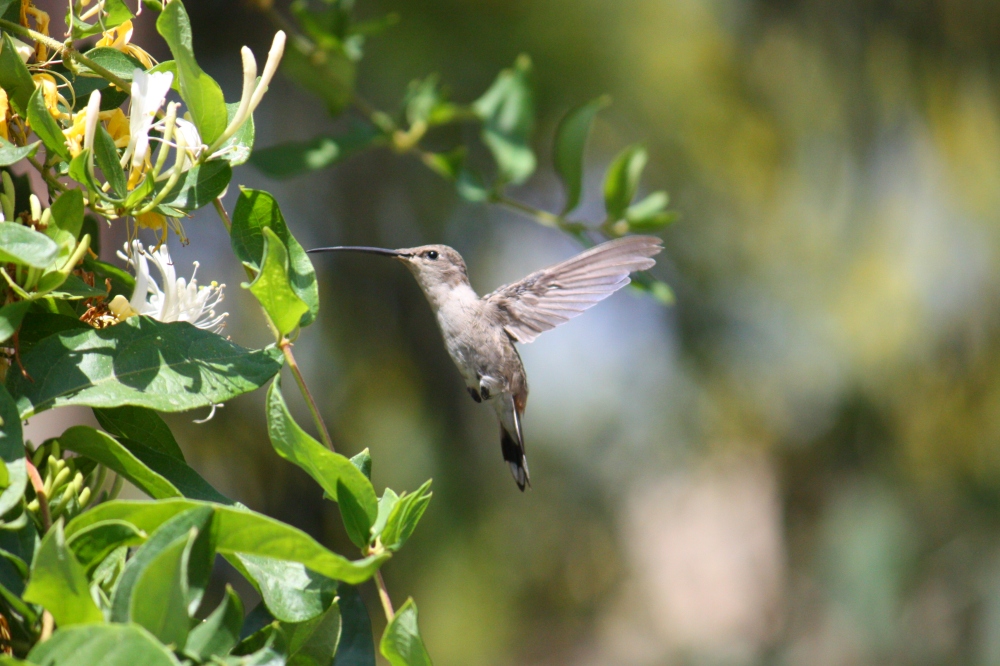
<point x="798" y="463"/>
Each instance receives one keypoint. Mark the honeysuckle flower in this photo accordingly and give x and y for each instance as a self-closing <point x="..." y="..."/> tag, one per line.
<point x="149" y="91"/>
<point x="191" y="141"/>
<point x="253" y="90"/>
<point x="41" y="25"/>
<point x="120" y="38"/>
<point x="24" y="51"/>
<point x="118" y="128"/>
<point x="90" y="121"/>
<point x="179" y="300"/>
<point x="51" y="95"/>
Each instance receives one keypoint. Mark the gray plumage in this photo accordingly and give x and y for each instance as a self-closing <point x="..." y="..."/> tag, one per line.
<point x="479" y="333"/>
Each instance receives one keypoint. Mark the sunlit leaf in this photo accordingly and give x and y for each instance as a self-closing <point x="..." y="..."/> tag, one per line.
<point x="11" y="154"/>
<point x="102" y="645"/>
<point x="256" y="210"/>
<point x="622" y="180"/>
<point x="405" y="514"/>
<point x="401" y="643"/>
<point x="12" y="453"/>
<point x="199" y="91"/>
<point x="159" y="598"/>
<point x="59" y="583"/>
<point x="198" y="186"/>
<point x="273" y="289"/>
<point x="140" y="425"/>
<point x="94" y="543"/>
<point x="15" y="78"/>
<point x="116" y="14"/>
<point x="45" y="126"/>
<point x="219" y="632"/>
<point x="508" y="114"/>
<point x="168" y="367"/>
<point x="25" y="246"/>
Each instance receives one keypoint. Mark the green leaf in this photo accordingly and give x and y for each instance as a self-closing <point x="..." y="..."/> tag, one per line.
<point x="15" y="78"/>
<point x="39" y="325"/>
<point x="168" y="367"/>
<point x="405" y="515"/>
<point x="291" y="592"/>
<point x="336" y="474"/>
<point x="27" y="247"/>
<point x="385" y="506"/>
<point x="106" y="450"/>
<point x="313" y="642"/>
<point x="67" y="212"/>
<point x="220" y="632"/>
<point x="327" y="73"/>
<point x="118" y="63"/>
<point x="102" y="645"/>
<point x="107" y="158"/>
<point x="570" y="143"/>
<point x="12" y="453"/>
<point x="11" y="154"/>
<point x="199" y="91"/>
<point x="239" y="146"/>
<point x="45" y="126"/>
<point x="117" y="13"/>
<point x="363" y="461"/>
<point x="650" y="214"/>
<point x="140" y="425"/>
<point x="59" y="583"/>
<point x="10" y="318"/>
<point x="10" y="10"/>
<point x="622" y="180"/>
<point x="297" y="157"/>
<point x="240" y="531"/>
<point x="256" y="210"/>
<point x="357" y="646"/>
<point x="199" y="186"/>
<point x="183" y="478"/>
<point x="401" y="643"/>
<point x="508" y="115"/>
<point x="273" y="289"/>
<point x="163" y="538"/>
<point x="94" y="543"/>
<point x="159" y="598"/>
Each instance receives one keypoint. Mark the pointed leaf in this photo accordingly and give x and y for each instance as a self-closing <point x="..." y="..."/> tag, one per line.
<point x="159" y="598"/>
<point x="168" y="367"/>
<point x="357" y="645"/>
<point x="401" y="643"/>
<point x="45" y="126"/>
<point x="15" y="78"/>
<point x="220" y="631"/>
<point x="385" y="507"/>
<point x="405" y="515"/>
<point x="12" y="453"/>
<point x="116" y="13"/>
<point x="290" y="591"/>
<point x="256" y="210"/>
<point x="273" y="289"/>
<point x="570" y="144"/>
<point x="10" y="318"/>
<point x="102" y="645"/>
<point x="336" y="474"/>
<point x="199" y="186"/>
<point x="59" y="583"/>
<point x="107" y="158"/>
<point x="622" y="180"/>
<point x="508" y="114"/>
<point x="25" y="246"/>
<point x="67" y="212"/>
<point x="93" y="544"/>
<point x="199" y="91"/>
<point x="140" y="425"/>
<point x="239" y="146"/>
<point x="239" y="531"/>
<point x="11" y="154"/>
<point x="313" y="642"/>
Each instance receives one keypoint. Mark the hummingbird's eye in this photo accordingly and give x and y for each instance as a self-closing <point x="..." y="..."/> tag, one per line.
<point x="432" y="255"/>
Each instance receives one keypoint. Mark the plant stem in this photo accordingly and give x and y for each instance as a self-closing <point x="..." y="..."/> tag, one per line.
<point x="383" y="595"/>
<point x="221" y="210"/>
<point x="49" y="178"/>
<point x="65" y="52"/>
<point x="543" y="217"/>
<point x="286" y="349"/>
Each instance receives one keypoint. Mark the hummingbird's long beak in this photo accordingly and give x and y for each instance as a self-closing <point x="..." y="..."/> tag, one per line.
<point x="361" y="248"/>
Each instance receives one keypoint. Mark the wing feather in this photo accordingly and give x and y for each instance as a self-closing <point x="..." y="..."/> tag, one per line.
<point x="556" y="294"/>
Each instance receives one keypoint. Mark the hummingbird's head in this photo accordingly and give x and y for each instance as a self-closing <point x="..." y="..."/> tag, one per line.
<point x="435" y="266"/>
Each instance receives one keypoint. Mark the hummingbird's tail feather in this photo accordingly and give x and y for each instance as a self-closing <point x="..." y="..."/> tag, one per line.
<point x="512" y="440"/>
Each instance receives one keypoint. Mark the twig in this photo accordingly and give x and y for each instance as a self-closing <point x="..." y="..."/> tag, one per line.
<point x="383" y="595"/>
<point x="221" y="210"/>
<point x="286" y="349"/>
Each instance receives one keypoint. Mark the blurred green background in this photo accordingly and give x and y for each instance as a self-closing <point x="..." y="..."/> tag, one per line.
<point x="798" y="463"/>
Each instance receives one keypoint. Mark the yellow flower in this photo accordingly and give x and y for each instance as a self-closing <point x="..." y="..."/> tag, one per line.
<point x="119" y="38"/>
<point x="74" y="133"/>
<point x="118" y="128"/>
<point x="4" y="106"/>
<point x="41" y="25"/>
<point x="161" y="224"/>
<point x="50" y="93"/>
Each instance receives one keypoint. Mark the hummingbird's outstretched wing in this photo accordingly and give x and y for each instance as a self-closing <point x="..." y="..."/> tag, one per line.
<point x="556" y="294"/>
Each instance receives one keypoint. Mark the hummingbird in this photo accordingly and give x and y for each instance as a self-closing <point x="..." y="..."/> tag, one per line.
<point x="480" y="332"/>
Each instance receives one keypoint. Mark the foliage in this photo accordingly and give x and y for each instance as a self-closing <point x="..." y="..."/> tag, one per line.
<point x="86" y="578"/>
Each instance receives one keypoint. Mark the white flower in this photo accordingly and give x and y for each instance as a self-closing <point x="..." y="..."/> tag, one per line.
<point x="90" y="119"/>
<point x="149" y="91"/>
<point x="179" y="300"/>
<point x="192" y="142"/>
